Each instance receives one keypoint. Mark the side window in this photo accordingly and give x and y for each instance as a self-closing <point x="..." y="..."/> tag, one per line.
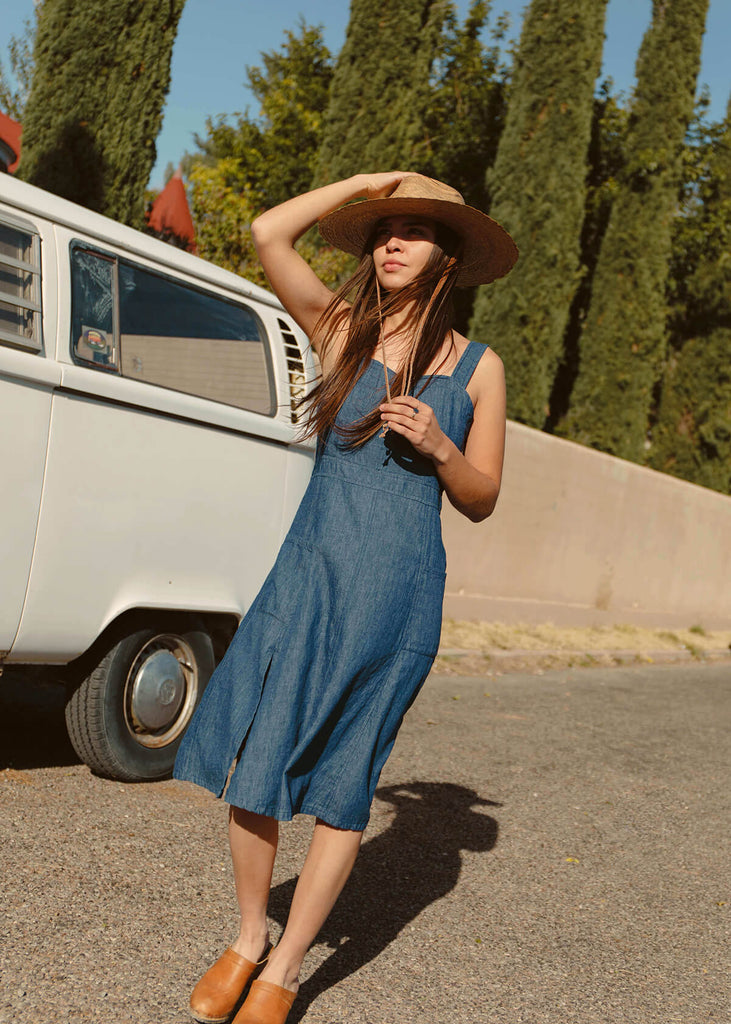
<point x="154" y="329"/>
<point x="20" y="286"/>
<point x="189" y="340"/>
<point x="94" y="331"/>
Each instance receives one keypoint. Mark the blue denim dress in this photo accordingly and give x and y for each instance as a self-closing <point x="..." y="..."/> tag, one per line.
<point x="303" y="710"/>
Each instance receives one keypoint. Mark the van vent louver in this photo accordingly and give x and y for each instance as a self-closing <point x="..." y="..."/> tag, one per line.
<point x="295" y="370"/>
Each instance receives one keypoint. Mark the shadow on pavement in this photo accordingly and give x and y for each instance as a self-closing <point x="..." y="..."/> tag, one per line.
<point x="32" y="725"/>
<point x="399" y="873"/>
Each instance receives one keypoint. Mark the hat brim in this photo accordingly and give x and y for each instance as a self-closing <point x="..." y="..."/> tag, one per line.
<point x="489" y="251"/>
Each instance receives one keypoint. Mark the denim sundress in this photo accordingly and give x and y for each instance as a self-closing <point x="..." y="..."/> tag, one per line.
<point x="309" y="697"/>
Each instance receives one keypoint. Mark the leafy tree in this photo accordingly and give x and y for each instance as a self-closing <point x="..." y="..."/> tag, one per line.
<point x="622" y="347"/>
<point x="275" y="153"/>
<point x="102" y="72"/>
<point x="253" y="164"/>
<point x="381" y="89"/>
<point x="538" y="183"/>
<point x="465" y="115"/>
<point x="15" y="81"/>
<point x="223" y="207"/>
<point x="700" y="264"/>
<point x="606" y="161"/>
<point x="691" y="437"/>
<point x="466" y="110"/>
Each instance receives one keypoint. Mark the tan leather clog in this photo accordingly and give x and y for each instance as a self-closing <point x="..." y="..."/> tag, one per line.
<point x="265" y="1004"/>
<point x="214" y="998"/>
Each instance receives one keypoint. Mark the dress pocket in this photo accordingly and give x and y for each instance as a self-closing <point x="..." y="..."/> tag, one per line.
<point x="424" y="625"/>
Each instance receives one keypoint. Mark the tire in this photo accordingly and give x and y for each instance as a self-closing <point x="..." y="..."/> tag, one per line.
<point x="127" y="717"/>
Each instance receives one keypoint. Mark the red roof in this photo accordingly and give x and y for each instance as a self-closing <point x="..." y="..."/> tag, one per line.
<point x="170" y="212"/>
<point x="10" y="133"/>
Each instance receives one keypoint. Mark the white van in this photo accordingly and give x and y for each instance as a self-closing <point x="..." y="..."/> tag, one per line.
<point x="150" y="465"/>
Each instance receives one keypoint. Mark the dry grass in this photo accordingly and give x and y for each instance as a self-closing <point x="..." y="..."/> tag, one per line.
<point x="488" y="637"/>
<point x="479" y="647"/>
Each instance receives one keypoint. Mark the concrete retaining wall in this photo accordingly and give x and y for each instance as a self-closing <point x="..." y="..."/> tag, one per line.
<point x="582" y="538"/>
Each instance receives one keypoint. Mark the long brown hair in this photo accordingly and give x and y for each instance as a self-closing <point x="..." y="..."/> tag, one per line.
<point x="432" y="311"/>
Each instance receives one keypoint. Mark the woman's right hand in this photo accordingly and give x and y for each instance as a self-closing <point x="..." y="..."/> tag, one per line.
<point x="382" y="184"/>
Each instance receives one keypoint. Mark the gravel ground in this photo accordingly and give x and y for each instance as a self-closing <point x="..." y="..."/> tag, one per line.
<point x="543" y="849"/>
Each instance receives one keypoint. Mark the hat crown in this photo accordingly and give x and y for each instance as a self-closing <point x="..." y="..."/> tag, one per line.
<point x="418" y="186"/>
<point x="488" y="250"/>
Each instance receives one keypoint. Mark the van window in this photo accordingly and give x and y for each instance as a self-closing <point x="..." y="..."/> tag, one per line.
<point x="20" y="286"/>
<point x="93" y="308"/>
<point x="169" y="333"/>
<point x="192" y="341"/>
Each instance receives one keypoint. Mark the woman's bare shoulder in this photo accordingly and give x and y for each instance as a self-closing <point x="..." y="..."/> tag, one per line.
<point x="490" y="362"/>
<point x="488" y="377"/>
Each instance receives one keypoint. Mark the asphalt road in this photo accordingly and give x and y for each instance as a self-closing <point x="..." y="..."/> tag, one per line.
<point x="543" y="849"/>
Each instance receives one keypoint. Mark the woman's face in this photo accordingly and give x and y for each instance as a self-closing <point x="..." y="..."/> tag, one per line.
<point x="401" y="249"/>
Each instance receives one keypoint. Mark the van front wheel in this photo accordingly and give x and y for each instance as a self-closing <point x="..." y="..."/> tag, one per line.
<point x="127" y="717"/>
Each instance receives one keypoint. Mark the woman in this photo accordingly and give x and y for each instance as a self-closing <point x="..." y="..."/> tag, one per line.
<point x="308" y="699"/>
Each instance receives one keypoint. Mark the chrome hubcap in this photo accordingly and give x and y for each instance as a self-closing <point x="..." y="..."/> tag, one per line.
<point x="160" y="691"/>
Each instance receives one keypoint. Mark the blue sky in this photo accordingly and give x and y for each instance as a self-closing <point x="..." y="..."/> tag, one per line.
<point x="218" y="38"/>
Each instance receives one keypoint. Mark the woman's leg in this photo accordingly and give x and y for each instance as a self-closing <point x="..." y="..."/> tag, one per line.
<point x="329" y="861"/>
<point x="253" y="840"/>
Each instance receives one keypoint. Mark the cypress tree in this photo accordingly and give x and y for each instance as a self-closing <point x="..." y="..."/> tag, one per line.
<point x="467" y="106"/>
<point x="606" y="159"/>
<point x="462" y="128"/>
<point x="538" y="184"/>
<point x="691" y="437"/>
<point x="622" y="347"/>
<point x="102" y="71"/>
<point x="380" y="91"/>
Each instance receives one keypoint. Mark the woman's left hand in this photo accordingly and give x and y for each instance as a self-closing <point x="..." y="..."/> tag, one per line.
<point x="415" y="420"/>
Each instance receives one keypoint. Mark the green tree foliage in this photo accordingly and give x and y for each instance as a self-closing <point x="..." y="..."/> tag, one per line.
<point x="465" y="115"/>
<point x="274" y="154"/>
<point x="381" y="88"/>
<point x="700" y="266"/>
<point x="466" y="110"/>
<point x="223" y="207"/>
<point x="247" y="164"/>
<point x="606" y="160"/>
<point x="622" y="347"/>
<point x="538" y="183"/>
<point x="691" y="437"/>
<point x="15" y="80"/>
<point x="253" y="164"/>
<point x="102" y="71"/>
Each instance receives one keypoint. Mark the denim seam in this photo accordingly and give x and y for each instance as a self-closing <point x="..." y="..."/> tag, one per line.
<point x="371" y="487"/>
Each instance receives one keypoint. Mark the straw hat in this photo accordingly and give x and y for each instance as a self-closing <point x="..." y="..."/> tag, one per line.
<point x="489" y="251"/>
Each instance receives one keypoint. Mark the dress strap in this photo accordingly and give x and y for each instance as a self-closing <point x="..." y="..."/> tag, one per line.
<point x="468" y="362"/>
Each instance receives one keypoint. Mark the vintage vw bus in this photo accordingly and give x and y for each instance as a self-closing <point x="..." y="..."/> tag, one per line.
<point x="148" y="441"/>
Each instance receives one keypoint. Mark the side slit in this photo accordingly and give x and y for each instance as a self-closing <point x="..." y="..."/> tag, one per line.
<point x="234" y="763"/>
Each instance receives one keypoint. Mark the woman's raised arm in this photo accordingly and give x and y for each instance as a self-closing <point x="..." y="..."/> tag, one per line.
<point x="297" y="286"/>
